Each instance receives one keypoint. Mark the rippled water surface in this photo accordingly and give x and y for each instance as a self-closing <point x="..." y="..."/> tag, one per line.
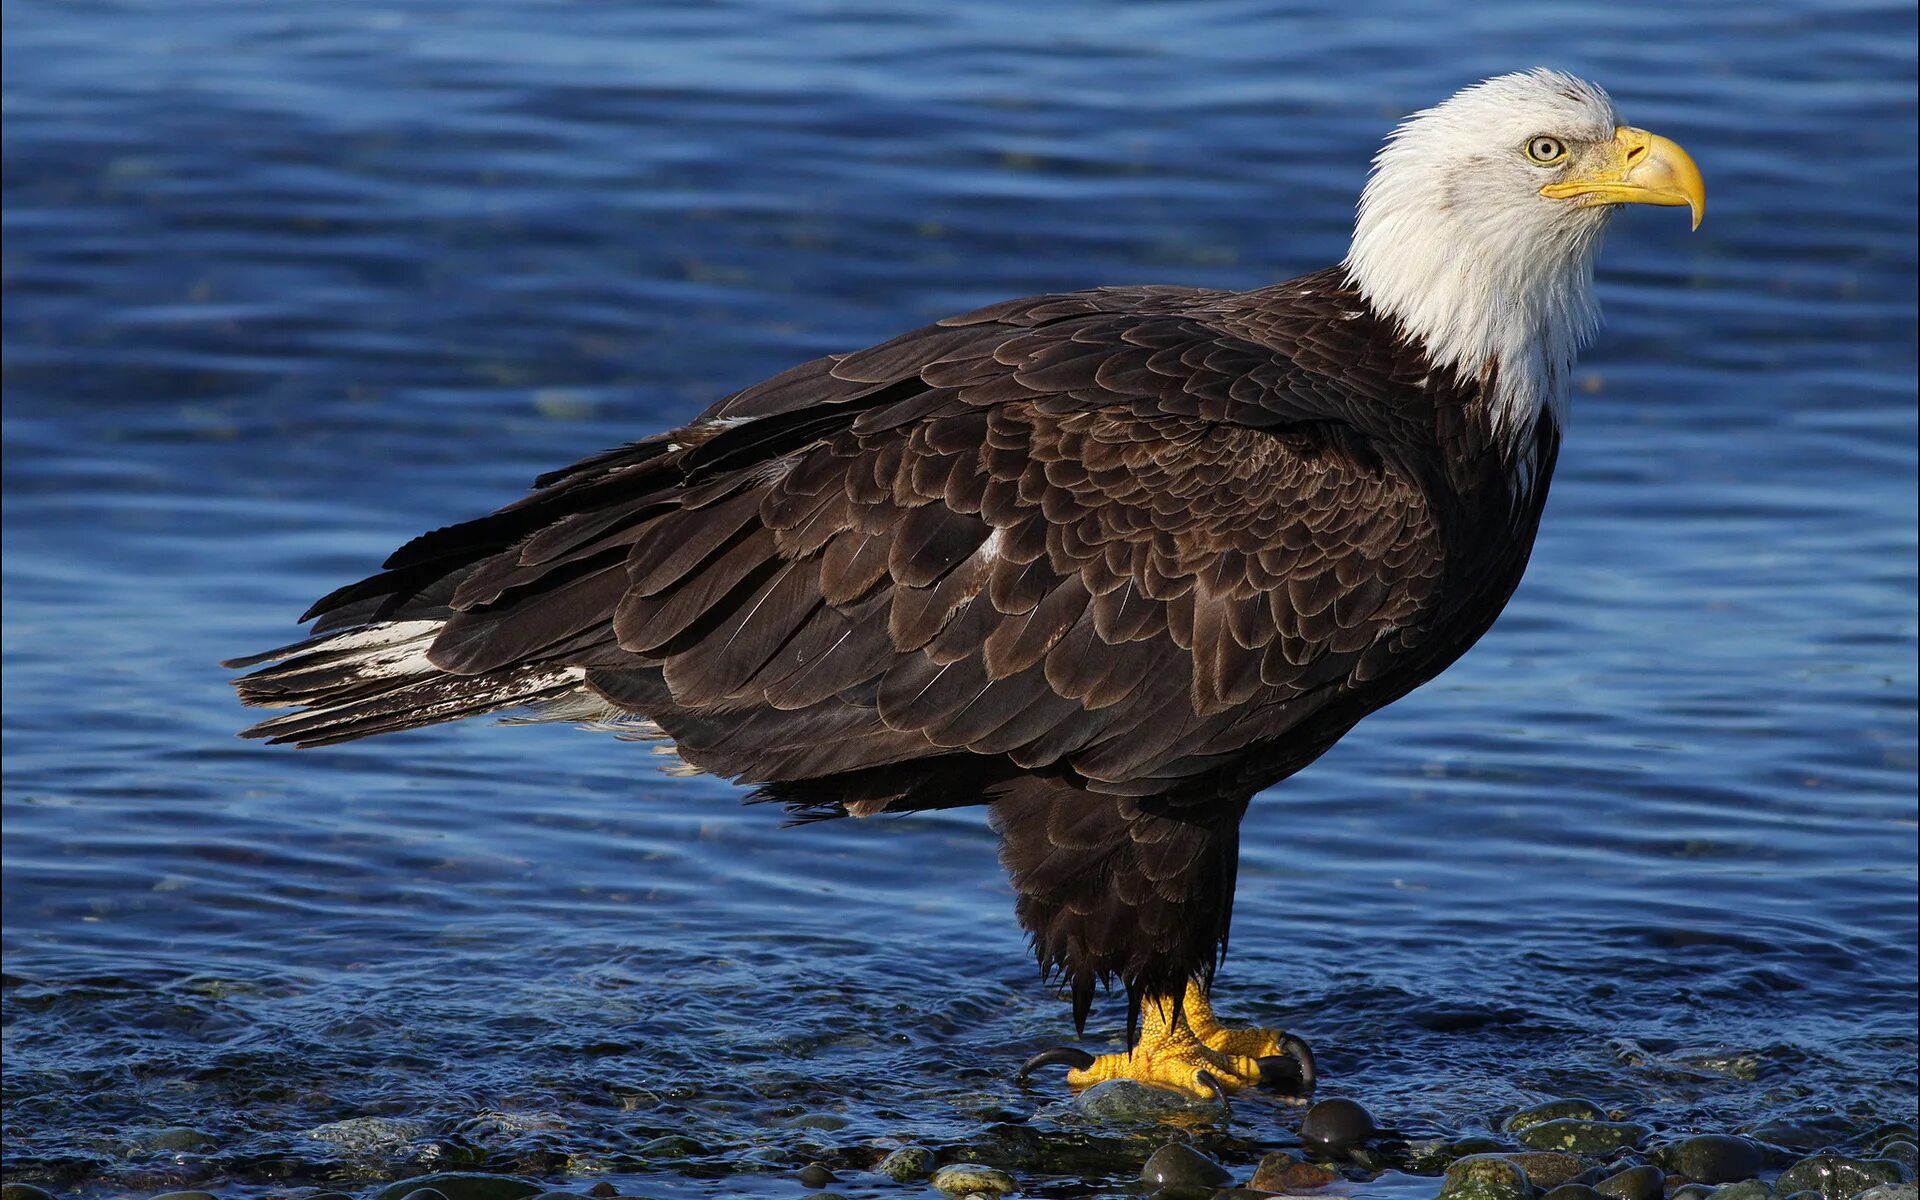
<point x="286" y="283"/>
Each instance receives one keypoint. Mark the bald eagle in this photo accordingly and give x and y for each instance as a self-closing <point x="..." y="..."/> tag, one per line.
<point x="1106" y="562"/>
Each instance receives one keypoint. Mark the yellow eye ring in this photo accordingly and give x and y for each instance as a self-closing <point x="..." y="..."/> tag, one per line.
<point x="1546" y="151"/>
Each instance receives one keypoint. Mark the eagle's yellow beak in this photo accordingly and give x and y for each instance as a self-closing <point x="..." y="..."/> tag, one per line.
<point x="1643" y="168"/>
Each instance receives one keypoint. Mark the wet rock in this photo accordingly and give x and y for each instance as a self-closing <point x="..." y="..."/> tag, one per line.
<point x="1903" y="1152"/>
<point x="823" y="1196"/>
<point x="1010" y="1146"/>
<point x="1282" y="1172"/>
<point x="1583" y="1136"/>
<point x="1805" y="1135"/>
<point x="186" y="1196"/>
<point x="1437" y="1154"/>
<point x="1890" y="1191"/>
<point x="908" y="1164"/>
<point x="1123" y="1100"/>
<point x="559" y="1196"/>
<point x="367" y="1135"/>
<point x="23" y="1191"/>
<point x="427" y="1193"/>
<point x="1486" y="1177"/>
<point x="1183" y="1169"/>
<point x="1690" y="1191"/>
<point x="1645" y="1182"/>
<point x="1477" y="1143"/>
<point x="1713" y="1158"/>
<point x="673" y="1145"/>
<point x="1572" y="1191"/>
<point x="1751" y="1189"/>
<point x="962" y="1179"/>
<point x="179" y="1137"/>
<point x="1836" y="1177"/>
<point x="1553" y="1110"/>
<point x="1546" y="1168"/>
<point x="1336" y="1126"/>
<point x="602" y="1190"/>
<point x="816" y="1175"/>
<point x="462" y="1185"/>
<point x="760" y="1159"/>
<point x="827" y="1121"/>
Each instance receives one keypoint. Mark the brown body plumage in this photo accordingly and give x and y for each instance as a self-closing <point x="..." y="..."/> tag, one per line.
<point x="1108" y="562"/>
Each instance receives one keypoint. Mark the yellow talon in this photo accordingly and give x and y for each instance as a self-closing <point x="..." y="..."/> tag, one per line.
<point x="1192" y="1053"/>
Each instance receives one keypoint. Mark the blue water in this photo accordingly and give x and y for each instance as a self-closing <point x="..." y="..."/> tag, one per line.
<point x="286" y="283"/>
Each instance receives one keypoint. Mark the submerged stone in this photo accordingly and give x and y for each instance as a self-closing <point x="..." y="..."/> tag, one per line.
<point x="908" y="1164"/>
<point x="1583" y="1136"/>
<point x="1644" y="1182"/>
<point x="1183" y="1167"/>
<point x="826" y="1121"/>
<point x="1486" y="1177"/>
<point x="1553" y="1110"/>
<point x="816" y="1175"/>
<point x="1836" y="1177"/>
<point x="1546" y="1168"/>
<point x="1890" y="1191"/>
<point x="961" y="1179"/>
<point x="1572" y="1191"/>
<point x="463" y="1185"/>
<point x="673" y="1145"/>
<point x="1282" y="1172"/>
<point x="366" y="1135"/>
<point x="1713" y="1158"/>
<point x="1903" y="1152"/>
<point x="1806" y="1135"/>
<point x="186" y="1196"/>
<point x="1750" y="1189"/>
<point x="1336" y="1126"/>
<point x="23" y="1191"/>
<point x="1691" y="1191"/>
<point x="179" y="1137"/>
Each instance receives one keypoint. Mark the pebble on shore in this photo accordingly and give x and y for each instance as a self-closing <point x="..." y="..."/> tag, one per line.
<point x="1486" y="1177"/>
<point x="965" y="1179"/>
<point x="1282" y="1172"/>
<point x="1583" y="1136"/>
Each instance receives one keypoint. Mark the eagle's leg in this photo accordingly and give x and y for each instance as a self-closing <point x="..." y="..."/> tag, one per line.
<point x="1142" y="889"/>
<point x="1248" y="1041"/>
<point x="1189" y="1051"/>
<point x="1171" y="1053"/>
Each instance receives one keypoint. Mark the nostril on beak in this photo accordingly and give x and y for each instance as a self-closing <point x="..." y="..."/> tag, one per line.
<point x="1635" y="154"/>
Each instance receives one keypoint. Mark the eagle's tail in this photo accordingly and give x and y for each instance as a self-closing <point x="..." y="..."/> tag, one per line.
<point x="377" y="678"/>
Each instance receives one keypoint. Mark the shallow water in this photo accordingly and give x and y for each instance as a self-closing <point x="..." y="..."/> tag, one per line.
<point x="287" y="283"/>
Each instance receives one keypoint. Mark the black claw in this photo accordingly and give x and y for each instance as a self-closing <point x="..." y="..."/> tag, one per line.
<point x="1291" y="1072"/>
<point x="1219" y="1093"/>
<point x="1058" y="1056"/>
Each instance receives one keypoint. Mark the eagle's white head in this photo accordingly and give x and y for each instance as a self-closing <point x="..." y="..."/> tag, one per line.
<point x="1478" y="227"/>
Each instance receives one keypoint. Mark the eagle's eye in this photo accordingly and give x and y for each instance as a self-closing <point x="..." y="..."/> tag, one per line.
<point x="1546" y="151"/>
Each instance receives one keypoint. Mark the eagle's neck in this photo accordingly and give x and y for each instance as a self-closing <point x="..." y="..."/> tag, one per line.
<point x="1484" y="295"/>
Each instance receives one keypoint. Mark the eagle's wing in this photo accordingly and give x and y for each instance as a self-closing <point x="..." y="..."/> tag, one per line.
<point x="1100" y="533"/>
